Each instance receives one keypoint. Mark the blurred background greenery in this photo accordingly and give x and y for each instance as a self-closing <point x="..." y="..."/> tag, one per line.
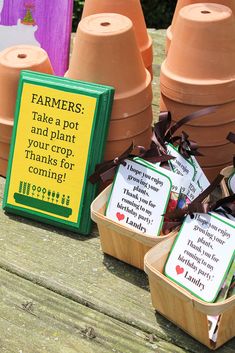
<point x="157" y="13"/>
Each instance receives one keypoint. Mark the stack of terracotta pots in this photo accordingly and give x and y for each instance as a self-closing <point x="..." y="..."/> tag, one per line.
<point x="12" y="61"/>
<point x="199" y="71"/>
<point x="131" y="9"/>
<point x="182" y="3"/>
<point x="106" y="52"/>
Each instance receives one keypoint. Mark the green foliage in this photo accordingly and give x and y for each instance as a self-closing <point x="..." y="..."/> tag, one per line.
<point x="158" y="13"/>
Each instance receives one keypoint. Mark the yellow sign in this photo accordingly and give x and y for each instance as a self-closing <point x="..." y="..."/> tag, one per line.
<point x="51" y="151"/>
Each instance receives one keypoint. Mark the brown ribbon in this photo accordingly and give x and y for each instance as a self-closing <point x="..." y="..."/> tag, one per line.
<point x="163" y="132"/>
<point x="106" y="170"/>
<point x="177" y="216"/>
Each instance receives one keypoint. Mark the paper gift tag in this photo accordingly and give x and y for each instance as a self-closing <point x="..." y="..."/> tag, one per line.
<point x="180" y="165"/>
<point x="179" y="189"/>
<point x="58" y="138"/>
<point x="200" y="177"/>
<point x="139" y="197"/>
<point x="193" y="191"/>
<point x="231" y="183"/>
<point x="202" y="255"/>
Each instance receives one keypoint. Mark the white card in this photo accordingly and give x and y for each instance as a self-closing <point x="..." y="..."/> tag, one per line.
<point x="180" y="165"/>
<point x="193" y="191"/>
<point x="231" y="183"/>
<point x="139" y="197"/>
<point x="200" y="177"/>
<point x="202" y="254"/>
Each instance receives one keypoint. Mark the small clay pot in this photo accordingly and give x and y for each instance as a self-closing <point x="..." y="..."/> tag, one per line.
<point x="182" y="3"/>
<point x="115" y="147"/>
<point x="3" y="167"/>
<point x="199" y="66"/>
<point x="131" y="126"/>
<point x="131" y="9"/>
<point x="106" y="52"/>
<point x="12" y="61"/>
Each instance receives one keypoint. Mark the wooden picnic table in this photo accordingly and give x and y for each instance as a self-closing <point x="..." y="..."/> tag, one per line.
<point x="61" y="294"/>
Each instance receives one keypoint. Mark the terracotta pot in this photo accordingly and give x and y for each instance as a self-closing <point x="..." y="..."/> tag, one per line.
<point x="206" y="77"/>
<point x="182" y="3"/>
<point x="131" y="9"/>
<point x="115" y="147"/>
<point x="213" y="171"/>
<point x="106" y="52"/>
<point x="4" y="150"/>
<point x="5" y="130"/>
<point x="210" y="129"/>
<point x="132" y="126"/>
<point x="3" y="167"/>
<point x="215" y="155"/>
<point x="12" y="61"/>
<point x="201" y="72"/>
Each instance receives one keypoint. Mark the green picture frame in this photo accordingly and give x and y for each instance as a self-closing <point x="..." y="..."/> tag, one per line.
<point x="59" y="136"/>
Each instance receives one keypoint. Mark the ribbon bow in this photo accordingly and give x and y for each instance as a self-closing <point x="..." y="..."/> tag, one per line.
<point x="197" y="206"/>
<point x="106" y="170"/>
<point x="163" y="132"/>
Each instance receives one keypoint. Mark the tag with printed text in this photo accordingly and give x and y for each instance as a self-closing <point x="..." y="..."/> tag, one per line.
<point x="202" y="255"/>
<point x="139" y="197"/>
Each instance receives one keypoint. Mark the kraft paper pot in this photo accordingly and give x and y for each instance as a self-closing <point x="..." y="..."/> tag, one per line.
<point x="4" y="150"/>
<point x="3" y="167"/>
<point x="199" y="66"/>
<point x="12" y="61"/>
<point x="114" y="148"/>
<point x="106" y="52"/>
<point x="119" y="241"/>
<point x="132" y="126"/>
<point x="182" y="3"/>
<point x="131" y="9"/>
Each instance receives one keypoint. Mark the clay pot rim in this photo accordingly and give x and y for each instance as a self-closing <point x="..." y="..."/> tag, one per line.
<point x="131" y="137"/>
<point x="207" y="126"/>
<point x="198" y="94"/>
<point x="4" y="121"/>
<point x="214" y="146"/>
<point x="22" y="65"/>
<point x="146" y="125"/>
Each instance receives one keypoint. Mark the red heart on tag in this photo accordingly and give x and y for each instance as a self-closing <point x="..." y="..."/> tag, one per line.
<point x="179" y="270"/>
<point x="120" y="216"/>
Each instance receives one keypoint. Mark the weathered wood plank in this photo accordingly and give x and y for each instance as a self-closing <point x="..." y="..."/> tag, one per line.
<point x="75" y="267"/>
<point x="35" y="320"/>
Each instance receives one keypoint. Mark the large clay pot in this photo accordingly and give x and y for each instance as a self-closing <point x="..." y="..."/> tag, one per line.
<point x="182" y="3"/>
<point x="115" y="147"/>
<point x="206" y="77"/>
<point x="106" y="52"/>
<point x="12" y="61"/>
<point x="131" y="9"/>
